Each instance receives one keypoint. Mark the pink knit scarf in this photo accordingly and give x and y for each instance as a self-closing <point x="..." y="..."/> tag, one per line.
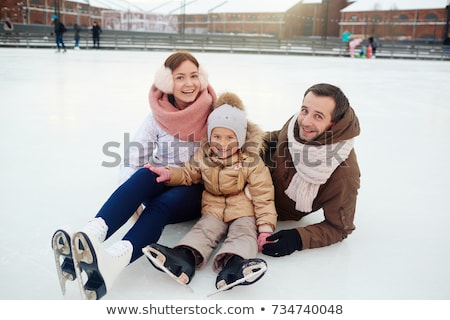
<point x="189" y="124"/>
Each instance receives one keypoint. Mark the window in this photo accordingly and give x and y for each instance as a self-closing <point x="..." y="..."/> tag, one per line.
<point x="431" y="16"/>
<point x="376" y="18"/>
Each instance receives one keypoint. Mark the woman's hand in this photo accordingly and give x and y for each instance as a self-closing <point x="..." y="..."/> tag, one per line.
<point x="163" y="173"/>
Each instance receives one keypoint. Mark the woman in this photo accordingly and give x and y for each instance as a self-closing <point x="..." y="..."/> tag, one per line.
<point x="180" y="100"/>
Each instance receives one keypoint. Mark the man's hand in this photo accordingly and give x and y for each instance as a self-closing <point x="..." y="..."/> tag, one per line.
<point x="283" y="243"/>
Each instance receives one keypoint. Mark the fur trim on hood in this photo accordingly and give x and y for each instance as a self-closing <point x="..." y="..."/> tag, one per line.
<point x="254" y="136"/>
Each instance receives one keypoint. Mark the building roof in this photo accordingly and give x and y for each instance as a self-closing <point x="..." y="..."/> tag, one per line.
<point x="385" y="5"/>
<point x="120" y="5"/>
<point x="197" y="6"/>
<point x="238" y="6"/>
<point x="247" y="6"/>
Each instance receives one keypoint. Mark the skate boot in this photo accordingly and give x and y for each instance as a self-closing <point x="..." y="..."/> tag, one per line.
<point x="100" y="266"/>
<point x="178" y="263"/>
<point x="66" y="267"/>
<point x="62" y="249"/>
<point x="240" y="271"/>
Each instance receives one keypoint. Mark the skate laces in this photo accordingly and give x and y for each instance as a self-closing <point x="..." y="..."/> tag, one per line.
<point x="98" y="228"/>
<point x="120" y="248"/>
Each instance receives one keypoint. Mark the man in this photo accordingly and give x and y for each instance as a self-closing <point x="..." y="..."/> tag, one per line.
<point x="96" y="30"/>
<point x="314" y="166"/>
<point x="374" y="44"/>
<point x="59" y="30"/>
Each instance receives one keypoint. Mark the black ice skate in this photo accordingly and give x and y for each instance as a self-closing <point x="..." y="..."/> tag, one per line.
<point x="62" y="249"/>
<point x="177" y="263"/>
<point x="240" y="272"/>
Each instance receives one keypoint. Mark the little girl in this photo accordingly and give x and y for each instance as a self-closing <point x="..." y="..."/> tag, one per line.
<point x="237" y="203"/>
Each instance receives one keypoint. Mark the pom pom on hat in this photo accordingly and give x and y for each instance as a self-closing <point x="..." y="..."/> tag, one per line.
<point x="233" y="118"/>
<point x="164" y="80"/>
<point x="54" y="16"/>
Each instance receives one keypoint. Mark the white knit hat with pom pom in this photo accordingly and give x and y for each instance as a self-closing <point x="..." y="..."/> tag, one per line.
<point x="229" y="117"/>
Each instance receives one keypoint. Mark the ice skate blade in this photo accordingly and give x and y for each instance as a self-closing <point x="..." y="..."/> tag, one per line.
<point x="251" y="276"/>
<point x="86" y="260"/>
<point x="159" y="263"/>
<point x="61" y="246"/>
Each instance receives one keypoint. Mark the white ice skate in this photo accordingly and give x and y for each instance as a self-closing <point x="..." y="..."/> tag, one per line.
<point x="100" y="266"/>
<point x="62" y="250"/>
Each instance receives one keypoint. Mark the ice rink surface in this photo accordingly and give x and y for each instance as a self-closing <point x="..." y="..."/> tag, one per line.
<point x="59" y="110"/>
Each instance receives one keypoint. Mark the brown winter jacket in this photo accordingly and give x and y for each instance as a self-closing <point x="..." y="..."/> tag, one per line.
<point x="337" y="197"/>
<point x="235" y="187"/>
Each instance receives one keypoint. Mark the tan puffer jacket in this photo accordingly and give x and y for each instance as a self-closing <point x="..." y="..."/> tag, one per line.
<point x="235" y="187"/>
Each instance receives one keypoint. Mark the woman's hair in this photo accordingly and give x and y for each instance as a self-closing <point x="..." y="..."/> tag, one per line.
<point x="328" y="90"/>
<point x="177" y="58"/>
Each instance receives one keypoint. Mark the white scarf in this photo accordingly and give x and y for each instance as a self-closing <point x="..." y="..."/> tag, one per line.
<point x="314" y="165"/>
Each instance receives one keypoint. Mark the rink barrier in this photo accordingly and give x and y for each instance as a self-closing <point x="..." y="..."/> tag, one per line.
<point x="41" y="37"/>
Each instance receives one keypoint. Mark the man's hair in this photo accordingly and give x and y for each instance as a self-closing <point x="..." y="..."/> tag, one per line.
<point x="329" y="90"/>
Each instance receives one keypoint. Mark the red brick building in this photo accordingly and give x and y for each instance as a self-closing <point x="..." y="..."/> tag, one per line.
<point x="397" y="19"/>
<point x="40" y="11"/>
<point x="284" y="19"/>
<point x="386" y="19"/>
<point x="314" y="18"/>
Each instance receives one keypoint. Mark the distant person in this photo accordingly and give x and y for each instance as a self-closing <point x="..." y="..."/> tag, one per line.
<point x="374" y="44"/>
<point x="8" y="27"/>
<point x="446" y="44"/>
<point x="346" y="35"/>
<point x="362" y="51"/>
<point x="352" y="45"/>
<point x="76" y="30"/>
<point x="314" y="166"/>
<point x="237" y="204"/>
<point x="96" y="30"/>
<point x="368" y="51"/>
<point x="447" y="40"/>
<point x="59" y="30"/>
